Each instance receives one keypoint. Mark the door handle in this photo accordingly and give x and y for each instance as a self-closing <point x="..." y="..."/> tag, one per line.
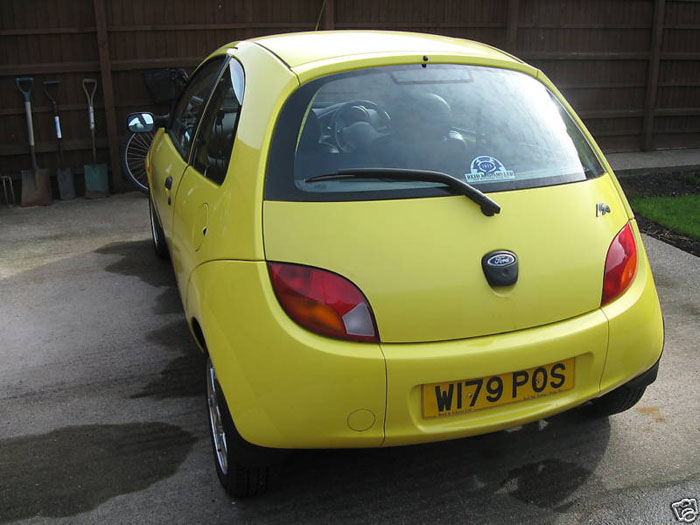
<point x="169" y="182"/>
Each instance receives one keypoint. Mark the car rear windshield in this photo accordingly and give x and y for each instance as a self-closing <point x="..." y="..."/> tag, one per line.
<point x="494" y="128"/>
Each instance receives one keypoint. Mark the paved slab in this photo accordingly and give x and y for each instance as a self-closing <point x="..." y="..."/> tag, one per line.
<point x="641" y="162"/>
<point x="102" y="416"/>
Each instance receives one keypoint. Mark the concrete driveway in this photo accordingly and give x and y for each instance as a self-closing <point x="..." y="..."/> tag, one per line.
<point x="102" y="414"/>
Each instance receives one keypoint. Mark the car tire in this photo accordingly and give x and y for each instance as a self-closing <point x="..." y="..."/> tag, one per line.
<point x="159" y="245"/>
<point x="242" y="468"/>
<point x="621" y="399"/>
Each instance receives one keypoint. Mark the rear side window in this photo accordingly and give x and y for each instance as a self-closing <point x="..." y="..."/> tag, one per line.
<point x="189" y="108"/>
<point x="493" y="128"/>
<point x="218" y="129"/>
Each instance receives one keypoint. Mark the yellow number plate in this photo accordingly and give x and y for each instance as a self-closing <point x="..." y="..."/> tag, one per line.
<point x="458" y="397"/>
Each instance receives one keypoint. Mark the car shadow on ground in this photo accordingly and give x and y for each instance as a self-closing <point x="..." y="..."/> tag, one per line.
<point x="74" y="469"/>
<point x="539" y="466"/>
<point x="138" y="260"/>
<point x="184" y="375"/>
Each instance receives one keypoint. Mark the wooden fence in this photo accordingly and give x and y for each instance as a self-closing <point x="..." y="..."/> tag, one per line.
<point x="630" y="68"/>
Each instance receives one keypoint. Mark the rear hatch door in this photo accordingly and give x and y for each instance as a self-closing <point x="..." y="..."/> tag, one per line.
<point x="419" y="261"/>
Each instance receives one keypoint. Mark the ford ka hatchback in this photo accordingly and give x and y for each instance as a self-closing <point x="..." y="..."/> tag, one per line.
<point x="384" y="239"/>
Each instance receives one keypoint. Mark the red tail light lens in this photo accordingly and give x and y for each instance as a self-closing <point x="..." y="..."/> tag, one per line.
<point x="323" y="302"/>
<point x="620" y="265"/>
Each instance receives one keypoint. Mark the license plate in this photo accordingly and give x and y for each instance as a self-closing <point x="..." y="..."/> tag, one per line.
<point x="459" y="397"/>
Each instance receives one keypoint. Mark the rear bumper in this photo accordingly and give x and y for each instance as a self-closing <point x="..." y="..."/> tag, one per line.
<point x="644" y="379"/>
<point x="410" y="366"/>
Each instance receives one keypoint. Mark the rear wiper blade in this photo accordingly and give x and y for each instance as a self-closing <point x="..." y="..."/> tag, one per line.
<point x="488" y="206"/>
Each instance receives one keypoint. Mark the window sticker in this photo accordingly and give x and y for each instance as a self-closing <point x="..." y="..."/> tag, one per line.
<point x="487" y="169"/>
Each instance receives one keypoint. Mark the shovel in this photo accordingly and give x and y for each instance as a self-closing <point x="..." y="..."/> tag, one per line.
<point x="36" y="183"/>
<point x="96" y="182"/>
<point x="66" y="189"/>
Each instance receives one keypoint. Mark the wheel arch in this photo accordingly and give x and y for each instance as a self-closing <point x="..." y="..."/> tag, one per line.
<point x="193" y="313"/>
<point x="198" y="335"/>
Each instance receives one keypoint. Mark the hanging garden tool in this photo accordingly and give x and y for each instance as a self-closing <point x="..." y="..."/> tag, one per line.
<point x="96" y="182"/>
<point x="36" y="183"/>
<point x="64" y="175"/>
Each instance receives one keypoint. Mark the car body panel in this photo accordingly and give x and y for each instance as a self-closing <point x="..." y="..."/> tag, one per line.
<point x="310" y="385"/>
<point x="242" y="188"/>
<point x="314" y="47"/>
<point x="287" y="387"/>
<point x="636" y="326"/>
<point x="164" y="162"/>
<point x="591" y="141"/>
<point x="192" y="243"/>
<point x="418" y="261"/>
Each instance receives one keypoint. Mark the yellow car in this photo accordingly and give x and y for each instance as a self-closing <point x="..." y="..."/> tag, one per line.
<point x="386" y="238"/>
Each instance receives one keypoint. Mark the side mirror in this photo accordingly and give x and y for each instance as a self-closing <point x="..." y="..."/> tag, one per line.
<point x="140" y="122"/>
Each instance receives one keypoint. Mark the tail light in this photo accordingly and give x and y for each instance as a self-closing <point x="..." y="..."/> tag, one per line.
<point x="323" y="302"/>
<point x="620" y="265"/>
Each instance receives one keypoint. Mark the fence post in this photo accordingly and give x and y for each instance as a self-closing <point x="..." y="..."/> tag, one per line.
<point x="329" y="15"/>
<point x="108" y="94"/>
<point x="512" y="25"/>
<point x="657" y="30"/>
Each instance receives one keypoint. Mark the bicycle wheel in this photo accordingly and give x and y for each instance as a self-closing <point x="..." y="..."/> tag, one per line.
<point x="134" y="150"/>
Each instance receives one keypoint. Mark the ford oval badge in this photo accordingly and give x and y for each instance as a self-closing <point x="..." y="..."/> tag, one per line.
<point x="500" y="259"/>
<point x="500" y="267"/>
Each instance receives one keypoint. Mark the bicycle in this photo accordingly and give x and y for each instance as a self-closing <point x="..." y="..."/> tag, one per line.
<point x="164" y="86"/>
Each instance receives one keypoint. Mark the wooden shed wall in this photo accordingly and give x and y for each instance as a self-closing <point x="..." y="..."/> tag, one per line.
<point x="630" y="68"/>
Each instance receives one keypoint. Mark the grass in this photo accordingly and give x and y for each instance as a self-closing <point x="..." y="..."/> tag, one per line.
<point x="680" y="214"/>
<point x="691" y="178"/>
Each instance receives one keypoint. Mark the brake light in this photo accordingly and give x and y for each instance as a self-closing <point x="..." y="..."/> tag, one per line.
<point x="323" y="302"/>
<point x="620" y="265"/>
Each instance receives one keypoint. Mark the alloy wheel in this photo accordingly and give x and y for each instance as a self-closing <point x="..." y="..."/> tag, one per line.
<point x="217" y="427"/>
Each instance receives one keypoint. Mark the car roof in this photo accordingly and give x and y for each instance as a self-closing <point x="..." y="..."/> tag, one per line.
<point x="297" y="49"/>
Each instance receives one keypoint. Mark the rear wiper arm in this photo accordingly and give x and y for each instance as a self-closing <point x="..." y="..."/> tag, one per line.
<point x="488" y="206"/>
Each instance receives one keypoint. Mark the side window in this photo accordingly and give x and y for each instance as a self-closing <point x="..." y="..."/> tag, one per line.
<point x="218" y="129"/>
<point x="190" y="106"/>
